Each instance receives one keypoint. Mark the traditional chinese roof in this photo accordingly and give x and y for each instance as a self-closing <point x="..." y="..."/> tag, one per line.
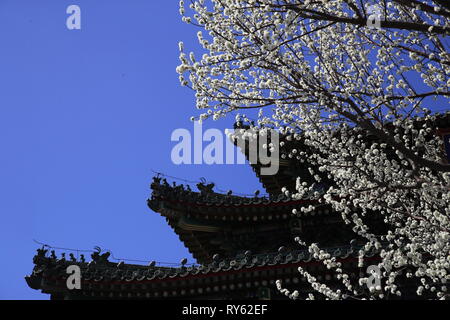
<point x="206" y="220"/>
<point x="291" y="168"/>
<point x="288" y="168"/>
<point x="239" y="276"/>
<point x="205" y="204"/>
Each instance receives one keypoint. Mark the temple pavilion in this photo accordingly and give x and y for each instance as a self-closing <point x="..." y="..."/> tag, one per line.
<point x="241" y="245"/>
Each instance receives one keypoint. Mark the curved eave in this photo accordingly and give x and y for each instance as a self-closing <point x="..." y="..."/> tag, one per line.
<point x="153" y="282"/>
<point x="221" y="209"/>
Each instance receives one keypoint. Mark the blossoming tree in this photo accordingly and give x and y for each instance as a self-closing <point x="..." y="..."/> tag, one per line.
<point x="312" y="68"/>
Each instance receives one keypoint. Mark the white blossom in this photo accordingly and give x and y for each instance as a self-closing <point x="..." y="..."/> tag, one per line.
<point x="358" y="97"/>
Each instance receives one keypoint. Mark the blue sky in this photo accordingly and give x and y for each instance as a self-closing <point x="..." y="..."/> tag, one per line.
<point x="85" y="115"/>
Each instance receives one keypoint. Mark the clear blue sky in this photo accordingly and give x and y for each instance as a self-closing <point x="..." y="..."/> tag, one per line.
<point x="85" y="115"/>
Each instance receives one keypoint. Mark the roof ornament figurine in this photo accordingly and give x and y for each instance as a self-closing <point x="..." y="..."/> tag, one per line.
<point x="63" y="257"/>
<point x="42" y="252"/>
<point x="53" y="255"/>
<point x="205" y="188"/>
<point x="156" y="181"/>
<point x="72" y="257"/>
<point x="100" y="258"/>
<point x="40" y="256"/>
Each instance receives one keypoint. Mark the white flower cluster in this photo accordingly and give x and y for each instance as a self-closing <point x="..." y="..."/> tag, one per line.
<point x="356" y="98"/>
